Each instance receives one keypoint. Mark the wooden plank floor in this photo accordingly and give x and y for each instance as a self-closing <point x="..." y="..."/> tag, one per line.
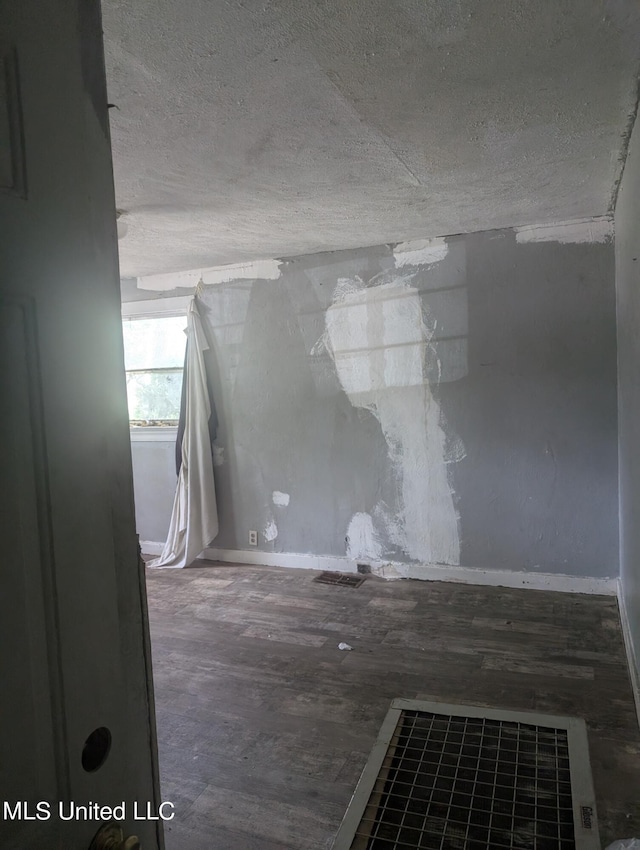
<point x="264" y="725"/>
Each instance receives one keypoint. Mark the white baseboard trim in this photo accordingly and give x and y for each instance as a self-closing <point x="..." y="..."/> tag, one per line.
<point x="151" y="547"/>
<point x="396" y="570"/>
<point x="282" y="559"/>
<point x="632" y="661"/>
<point x="500" y="578"/>
<point x="422" y="572"/>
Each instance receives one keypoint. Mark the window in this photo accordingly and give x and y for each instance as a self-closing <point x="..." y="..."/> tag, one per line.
<point x="154" y="358"/>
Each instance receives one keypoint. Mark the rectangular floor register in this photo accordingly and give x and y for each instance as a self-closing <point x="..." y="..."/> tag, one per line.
<point x="455" y="777"/>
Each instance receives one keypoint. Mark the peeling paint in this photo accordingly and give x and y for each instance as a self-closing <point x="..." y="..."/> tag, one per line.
<point x="378" y="340"/>
<point x="259" y="270"/>
<point x="270" y="531"/>
<point x="280" y="499"/>
<point x="420" y="252"/>
<point x="599" y="229"/>
<point x="363" y="543"/>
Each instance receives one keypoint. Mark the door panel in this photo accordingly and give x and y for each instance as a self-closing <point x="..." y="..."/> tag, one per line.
<point x="32" y="754"/>
<point x="73" y="630"/>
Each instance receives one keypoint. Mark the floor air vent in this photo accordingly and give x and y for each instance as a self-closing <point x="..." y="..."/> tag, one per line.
<point x="340" y="578"/>
<point x="455" y="777"/>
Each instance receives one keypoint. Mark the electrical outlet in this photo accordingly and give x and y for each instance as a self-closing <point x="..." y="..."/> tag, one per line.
<point x="253" y="538"/>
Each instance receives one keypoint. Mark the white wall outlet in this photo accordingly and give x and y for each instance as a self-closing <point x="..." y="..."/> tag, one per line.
<point x="253" y="538"/>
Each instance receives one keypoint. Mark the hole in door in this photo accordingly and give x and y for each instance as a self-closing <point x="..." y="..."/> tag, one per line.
<point x="96" y="749"/>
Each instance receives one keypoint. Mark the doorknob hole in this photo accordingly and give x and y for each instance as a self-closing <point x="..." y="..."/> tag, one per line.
<point x="96" y="749"/>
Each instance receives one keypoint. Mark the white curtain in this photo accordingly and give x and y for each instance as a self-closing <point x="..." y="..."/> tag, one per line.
<point x="194" y="519"/>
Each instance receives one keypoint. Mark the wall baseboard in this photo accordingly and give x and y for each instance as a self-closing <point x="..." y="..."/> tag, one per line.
<point x="151" y="547"/>
<point x="396" y="570"/>
<point x="632" y="661"/>
<point x="282" y="559"/>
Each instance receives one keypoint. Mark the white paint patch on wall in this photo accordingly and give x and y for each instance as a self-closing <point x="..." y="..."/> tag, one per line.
<point x="598" y="229"/>
<point x="363" y="543"/>
<point x="259" y="270"/>
<point x="270" y="531"/>
<point x="280" y="499"/>
<point x="420" y="252"/>
<point x="392" y="524"/>
<point x="455" y="451"/>
<point x="218" y="455"/>
<point x="378" y="340"/>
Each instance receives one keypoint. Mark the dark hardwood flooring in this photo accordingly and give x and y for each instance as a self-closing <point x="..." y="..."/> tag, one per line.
<point x="264" y="725"/>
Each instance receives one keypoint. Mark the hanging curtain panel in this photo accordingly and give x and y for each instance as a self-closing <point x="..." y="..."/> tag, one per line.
<point x="194" y="518"/>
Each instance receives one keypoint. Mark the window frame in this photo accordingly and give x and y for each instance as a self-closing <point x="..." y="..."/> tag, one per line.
<point x="157" y="308"/>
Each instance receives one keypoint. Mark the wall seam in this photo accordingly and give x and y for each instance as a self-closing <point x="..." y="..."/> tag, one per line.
<point x="624" y="149"/>
<point x="632" y="665"/>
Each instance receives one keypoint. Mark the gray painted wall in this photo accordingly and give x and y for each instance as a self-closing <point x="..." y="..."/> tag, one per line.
<point x="454" y="405"/>
<point x="154" y="482"/>
<point x="628" y="292"/>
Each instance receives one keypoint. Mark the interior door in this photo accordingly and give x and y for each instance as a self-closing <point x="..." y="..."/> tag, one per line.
<point x="76" y="704"/>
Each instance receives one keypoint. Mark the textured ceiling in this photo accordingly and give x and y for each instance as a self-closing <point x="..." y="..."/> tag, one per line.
<point x="248" y="129"/>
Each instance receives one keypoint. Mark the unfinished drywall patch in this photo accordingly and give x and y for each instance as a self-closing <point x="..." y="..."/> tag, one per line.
<point x="420" y="252"/>
<point x="259" y="270"/>
<point x="585" y="230"/>
<point x="280" y="499"/>
<point x="378" y="339"/>
<point x="270" y="531"/>
<point x="363" y="542"/>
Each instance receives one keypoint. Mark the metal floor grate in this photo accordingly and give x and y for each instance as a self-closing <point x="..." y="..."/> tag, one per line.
<point x="466" y="778"/>
<point x="340" y="578"/>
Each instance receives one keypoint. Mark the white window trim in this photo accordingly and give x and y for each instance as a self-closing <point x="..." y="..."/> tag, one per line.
<point x="153" y="433"/>
<point x="156" y="308"/>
